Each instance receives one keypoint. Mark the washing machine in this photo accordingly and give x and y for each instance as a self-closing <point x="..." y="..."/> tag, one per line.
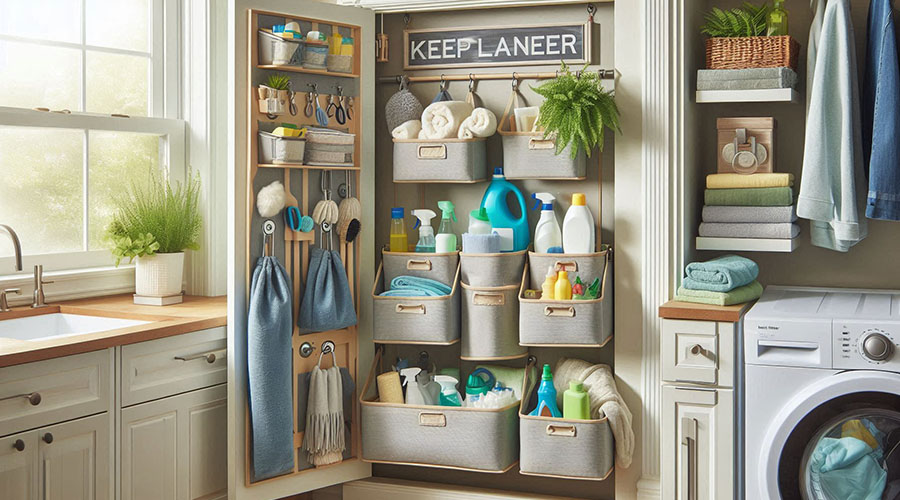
<point x="822" y="394"/>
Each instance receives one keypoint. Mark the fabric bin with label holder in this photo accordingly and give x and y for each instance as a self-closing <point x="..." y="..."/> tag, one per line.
<point x="274" y="149"/>
<point x="340" y="64"/>
<point x="580" y="449"/>
<point x="490" y="324"/>
<point x="315" y="55"/>
<point x="576" y="323"/>
<point x="453" y="437"/>
<point x="440" y="267"/>
<point x="329" y="147"/>
<point x="415" y="320"/>
<point x="492" y="269"/>
<point x="278" y="51"/>
<point x="443" y="160"/>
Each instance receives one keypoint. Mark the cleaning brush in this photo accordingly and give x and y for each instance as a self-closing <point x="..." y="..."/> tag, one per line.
<point x="348" y="216"/>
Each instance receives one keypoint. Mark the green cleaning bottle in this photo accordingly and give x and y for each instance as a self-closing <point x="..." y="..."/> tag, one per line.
<point x="445" y="241"/>
<point x="777" y="20"/>
<point x="576" y="403"/>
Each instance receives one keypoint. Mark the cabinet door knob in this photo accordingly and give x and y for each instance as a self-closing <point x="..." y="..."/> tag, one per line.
<point x="34" y="398"/>
<point x="19" y="445"/>
<point x="48" y="438"/>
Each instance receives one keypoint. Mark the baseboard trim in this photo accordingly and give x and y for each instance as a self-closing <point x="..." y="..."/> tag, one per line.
<point x="382" y="488"/>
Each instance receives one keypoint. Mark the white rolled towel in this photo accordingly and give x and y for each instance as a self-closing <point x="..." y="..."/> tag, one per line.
<point x="407" y="130"/>
<point x="441" y="120"/>
<point x="481" y="123"/>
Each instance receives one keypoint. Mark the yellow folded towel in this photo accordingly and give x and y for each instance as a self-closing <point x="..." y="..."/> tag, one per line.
<point x="732" y="181"/>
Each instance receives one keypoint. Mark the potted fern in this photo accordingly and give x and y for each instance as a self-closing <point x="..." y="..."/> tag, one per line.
<point x="153" y="224"/>
<point x="737" y="40"/>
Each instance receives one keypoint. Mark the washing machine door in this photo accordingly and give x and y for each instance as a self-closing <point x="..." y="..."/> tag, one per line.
<point x="836" y="440"/>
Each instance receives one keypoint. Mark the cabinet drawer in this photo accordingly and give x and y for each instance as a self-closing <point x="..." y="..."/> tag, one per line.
<point x="698" y="352"/>
<point x="45" y="392"/>
<point x="163" y="367"/>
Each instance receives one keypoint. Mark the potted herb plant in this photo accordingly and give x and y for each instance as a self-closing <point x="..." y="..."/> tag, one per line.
<point x="153" y="224"/>
<point x="275" y="94"/>
<point x="576" y="110"/>
<point x="738" y="38"/>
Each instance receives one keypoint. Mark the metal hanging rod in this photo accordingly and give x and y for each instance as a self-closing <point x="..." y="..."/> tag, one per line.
<point x="397" y="79"/>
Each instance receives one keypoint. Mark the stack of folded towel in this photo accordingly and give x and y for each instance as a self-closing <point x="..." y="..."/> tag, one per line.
<point x="449" y="120"/>
<point x="749" y="206"/>
<point x="723" y="281"/>
<point x="746" y="79"/>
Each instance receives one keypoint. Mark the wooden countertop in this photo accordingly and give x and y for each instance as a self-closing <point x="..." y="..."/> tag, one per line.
<point x="195" y="313"/>
<point x="674" y="309"/>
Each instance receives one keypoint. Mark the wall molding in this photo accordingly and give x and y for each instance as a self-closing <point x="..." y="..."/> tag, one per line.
<point x="394" y="6"/>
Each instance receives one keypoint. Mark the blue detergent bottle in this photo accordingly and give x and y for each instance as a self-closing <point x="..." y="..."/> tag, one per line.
<point x="513" y="231"/>
<point x="547" y="406"/>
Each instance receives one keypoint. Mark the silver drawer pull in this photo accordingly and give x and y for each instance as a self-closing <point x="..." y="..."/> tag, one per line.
<point x="210" y="357"/>
<point x="33" y="397"/>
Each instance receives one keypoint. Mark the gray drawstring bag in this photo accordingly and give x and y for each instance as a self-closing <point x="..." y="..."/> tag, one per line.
<point x="402" y="107"/>
<point x="327" y="303"/>
<point x="269" y="369"/>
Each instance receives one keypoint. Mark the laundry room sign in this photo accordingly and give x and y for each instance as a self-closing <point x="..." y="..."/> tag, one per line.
<point x="501" y="46"/>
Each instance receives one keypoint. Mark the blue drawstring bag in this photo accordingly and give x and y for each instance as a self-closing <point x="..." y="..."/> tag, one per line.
<point x="327" y="303"/>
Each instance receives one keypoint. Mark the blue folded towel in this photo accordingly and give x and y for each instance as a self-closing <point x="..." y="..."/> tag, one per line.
<point x="412" y="286"/>
<point x="722" y="274"/>
<point x="481" y="243"/>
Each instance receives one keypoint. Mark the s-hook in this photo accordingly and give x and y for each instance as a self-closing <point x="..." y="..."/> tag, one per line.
<point x="471" y="82"/>
<point x="329" y="110"/>
<point x="444" y="83"/>
<point x="339" y="113"/>
<point x="310" y="108"/>
<point x="515" y="82"/>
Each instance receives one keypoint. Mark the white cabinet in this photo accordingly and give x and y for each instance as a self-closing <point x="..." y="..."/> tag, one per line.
<point x="18" y="466"/>
<point x="175" y="448"/>
<point x="74" y="459"/>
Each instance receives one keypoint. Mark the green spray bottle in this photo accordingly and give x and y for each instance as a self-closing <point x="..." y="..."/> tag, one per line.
<point x="445" y="241"/>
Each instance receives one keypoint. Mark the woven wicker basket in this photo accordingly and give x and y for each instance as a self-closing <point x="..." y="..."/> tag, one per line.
<point x="752" y="52"/>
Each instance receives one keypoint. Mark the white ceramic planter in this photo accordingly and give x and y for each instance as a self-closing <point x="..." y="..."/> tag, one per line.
<point x="159" y="275"/>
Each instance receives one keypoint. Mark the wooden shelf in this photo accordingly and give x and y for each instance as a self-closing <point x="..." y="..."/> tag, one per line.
<point x="298" y="69"/>
<point x="301" y="166"/>
<point x="675" y="309"/>
<point x="757" y="95"/>
<point x="747" y="244"/>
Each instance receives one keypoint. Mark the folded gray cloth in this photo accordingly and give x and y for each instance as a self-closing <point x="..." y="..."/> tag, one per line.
<point x="784" y="230"/>
<point x="726" y="213"/>
<point x="755" y="84"/>
<point x="784" y="74"/>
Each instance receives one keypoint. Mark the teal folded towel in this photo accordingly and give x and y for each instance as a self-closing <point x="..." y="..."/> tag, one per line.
<point x="721" y="274"/>
<point x="413" y="286"/>
<point x="739" y="295"/>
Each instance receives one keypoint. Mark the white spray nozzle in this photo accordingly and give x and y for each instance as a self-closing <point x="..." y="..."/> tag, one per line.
<point x="448" y="383"/>
<point x="424" y="215"/>
<point x="543" y="199"/>
<point x="409" y="374"/>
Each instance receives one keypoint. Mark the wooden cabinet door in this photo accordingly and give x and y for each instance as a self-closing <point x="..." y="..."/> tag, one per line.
<point x="698" y="443"/>
<point x="74" y="459"/>
<point x="175" y="448"/>
<point x="19" y="466"/>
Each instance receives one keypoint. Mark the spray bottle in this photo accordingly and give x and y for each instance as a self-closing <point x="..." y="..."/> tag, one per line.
<point x="547" y="233"/>
<point x="449" y="395"/>
<point x="413" y="394"/>
<point x="426" y="232"/>
<point x="445" y="241"/>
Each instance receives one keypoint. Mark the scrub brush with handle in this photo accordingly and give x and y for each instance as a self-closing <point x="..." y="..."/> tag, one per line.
<point x="349" y="213"/>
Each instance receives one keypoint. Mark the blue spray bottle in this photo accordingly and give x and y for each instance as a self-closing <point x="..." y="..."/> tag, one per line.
<point x="513" y="231"/>
<point x="547" y="406"/>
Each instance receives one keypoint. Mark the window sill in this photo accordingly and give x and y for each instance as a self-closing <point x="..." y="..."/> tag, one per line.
<point x="72" y="284"/>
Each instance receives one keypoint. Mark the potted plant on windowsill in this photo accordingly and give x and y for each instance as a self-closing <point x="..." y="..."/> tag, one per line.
<point x="739" y="38"/>
<point x="153" y="225"/>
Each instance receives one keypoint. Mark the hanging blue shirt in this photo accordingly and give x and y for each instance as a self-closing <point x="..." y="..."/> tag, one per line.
<point x="881" y="114"/>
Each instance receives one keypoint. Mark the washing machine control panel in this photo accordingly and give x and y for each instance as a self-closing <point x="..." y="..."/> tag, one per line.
<point x="866" y="346"/>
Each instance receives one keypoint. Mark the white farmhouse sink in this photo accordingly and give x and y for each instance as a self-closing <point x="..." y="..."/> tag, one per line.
<point x="47" y="326"/>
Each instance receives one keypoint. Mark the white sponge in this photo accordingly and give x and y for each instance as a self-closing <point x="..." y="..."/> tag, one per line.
<point x="270" y="199"/>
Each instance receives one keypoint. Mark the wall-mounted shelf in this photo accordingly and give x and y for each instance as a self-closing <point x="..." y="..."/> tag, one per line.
<point x="747" y="244"/>
<point x="757" y="95"/>
<point x="302" y="166"/>
<point x="298" y="69"/>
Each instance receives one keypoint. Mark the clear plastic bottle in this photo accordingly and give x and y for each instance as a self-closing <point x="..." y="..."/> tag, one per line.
<point x="445" y="241"/>
<point x="426" y="241"/>
<point x="399" y="239"/>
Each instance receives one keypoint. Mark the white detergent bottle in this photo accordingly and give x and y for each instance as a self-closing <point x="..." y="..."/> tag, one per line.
<point x="426" y="232"/>
<point x="578" y="227"/>
<point x="413" y="394"/>
<point x="547" y="234"/>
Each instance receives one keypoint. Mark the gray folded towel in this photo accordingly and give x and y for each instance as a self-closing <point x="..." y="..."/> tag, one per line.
<point x="783" y="230"/>
<point x="724" y="213"/>
<point x="784" y="74"/>
<point x="754" y="84"/>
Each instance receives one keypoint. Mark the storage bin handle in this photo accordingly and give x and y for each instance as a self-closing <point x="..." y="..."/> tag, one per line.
<point x="570" y="266"/>
<point x="488" y="299"/>
<point x="538" y="143"/>
<point x="559" y="311"/>
<point x="432" y="419"/>
<point x="431" y="152"/>
<point x="418" y="265"/>
<point x="410" y="309"/>
<point x="561" y="430"/>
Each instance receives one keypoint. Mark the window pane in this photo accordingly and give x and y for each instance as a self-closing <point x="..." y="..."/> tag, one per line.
<point x="116" y="160"/>
<point x="34" y="76"/>
<point x="117" y="83"/>
<point x="41" y="192"/>
<point x="57" y="20"/>
<point x="120" y="24"/>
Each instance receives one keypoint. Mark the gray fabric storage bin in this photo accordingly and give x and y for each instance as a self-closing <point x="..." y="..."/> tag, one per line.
<point x="275" y="149"/>
<point x="585" y="323"/>
<point x="440" y="267"/>
<point x="415" y="320"/>
<point x="443" y="160"/>
<point x="472" y="439"/>
<point x="530" y="156"/>
<point x="580" y="449"/>
<point x="492" y="269"/>
<point x="586" y="265"/>
<point x="490" y="323"/>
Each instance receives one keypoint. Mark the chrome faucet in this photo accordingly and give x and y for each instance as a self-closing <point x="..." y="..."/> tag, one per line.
<point x="4" y="303"/>
<point x="39" y="287"/>
<point x="17" y="247"/>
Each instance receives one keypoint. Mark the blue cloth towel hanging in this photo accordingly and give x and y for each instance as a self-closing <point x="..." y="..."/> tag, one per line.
<point x="327" y="303"/>
<point x="269" y="330"/>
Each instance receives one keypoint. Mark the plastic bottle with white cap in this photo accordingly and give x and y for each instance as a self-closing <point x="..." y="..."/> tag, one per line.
<point x="578" y="232"/>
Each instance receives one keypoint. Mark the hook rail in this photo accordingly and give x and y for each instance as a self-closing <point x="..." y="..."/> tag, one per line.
<point x="605" y="74"/>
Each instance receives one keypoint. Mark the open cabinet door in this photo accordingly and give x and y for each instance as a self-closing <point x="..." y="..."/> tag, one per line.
<point x="250" y="168"/>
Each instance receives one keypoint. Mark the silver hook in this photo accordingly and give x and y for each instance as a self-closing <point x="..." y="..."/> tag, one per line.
<point x="515" y="82"/>
<point x="327" y="348"/>
<point x="471" y="82"/>
<point x="444" y="83"/>
<point x="268" y="236"/>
